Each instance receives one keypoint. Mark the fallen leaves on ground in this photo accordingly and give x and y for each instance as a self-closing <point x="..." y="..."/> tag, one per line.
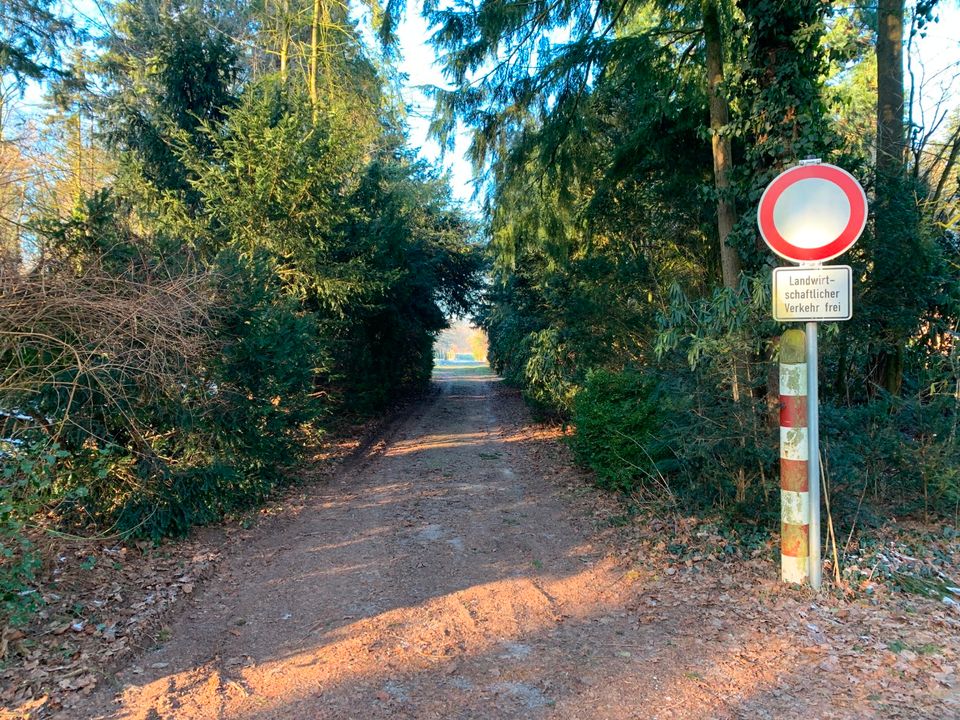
<point x="886" y="638"/>
<point x="100" y="602"/>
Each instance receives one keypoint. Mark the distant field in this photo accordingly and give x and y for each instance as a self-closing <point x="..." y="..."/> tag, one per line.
<point x="462" y="369"/>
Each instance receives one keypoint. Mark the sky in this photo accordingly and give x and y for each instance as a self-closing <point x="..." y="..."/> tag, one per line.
<point x="935" y="63"/>
<point x="419" y="64"/>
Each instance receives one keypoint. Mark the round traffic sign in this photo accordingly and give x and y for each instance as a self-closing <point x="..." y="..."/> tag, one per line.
<point x="812" y="213"/>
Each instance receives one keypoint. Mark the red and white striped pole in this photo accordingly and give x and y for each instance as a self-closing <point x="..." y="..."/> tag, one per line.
<point x="794" y="457"/>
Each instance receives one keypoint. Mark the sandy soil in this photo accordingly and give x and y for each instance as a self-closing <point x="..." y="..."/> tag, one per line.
<point x="454" y="571"/>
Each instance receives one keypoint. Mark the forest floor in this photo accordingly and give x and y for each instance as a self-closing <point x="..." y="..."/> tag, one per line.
<point x="461" y="567"/>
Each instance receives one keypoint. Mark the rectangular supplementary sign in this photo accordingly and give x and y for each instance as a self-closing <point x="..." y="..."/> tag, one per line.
<point x="802" y="294"/>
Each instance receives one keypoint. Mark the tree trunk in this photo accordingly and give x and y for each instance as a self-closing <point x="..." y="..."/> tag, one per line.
<point x="78" y="161"/>
<point x="890" y="131"/>
<point x="326" y="24"/>
<point x="722" y="157"/>
<point x="722" y="165"/>
<point x="313" y="67"/>
<point x="889" y="213"/>
<point x="284" y="39"/>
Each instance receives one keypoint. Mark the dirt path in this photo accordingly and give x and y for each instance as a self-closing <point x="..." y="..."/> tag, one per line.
<point x="449" y="574"/>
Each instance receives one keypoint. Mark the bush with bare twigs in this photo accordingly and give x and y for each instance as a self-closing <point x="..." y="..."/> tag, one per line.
<point x="145" y="406"/>
<point x="74" y="351"/>
<point x="66" y="338"/>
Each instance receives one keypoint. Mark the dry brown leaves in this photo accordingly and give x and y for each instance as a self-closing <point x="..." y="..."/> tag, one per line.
<point x="100" y="603"/>
<point x="103" y="601"/>
<point x="876" y="645"/>
<point x="867" y="649"/>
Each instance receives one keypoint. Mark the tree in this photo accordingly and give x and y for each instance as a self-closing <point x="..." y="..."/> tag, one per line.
<point x="15" y="170"/>
<point x="851" y="82"/>
<point x="168" y="71"/>
<point x="315" y="47"/>
<point x="502" y="99"/>
<point x="902" y="258"/>
<point x="31" y="33"/>
<point x="783" y="117"/>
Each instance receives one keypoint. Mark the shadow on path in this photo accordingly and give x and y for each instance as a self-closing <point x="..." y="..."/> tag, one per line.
<point x="446" y="575"/>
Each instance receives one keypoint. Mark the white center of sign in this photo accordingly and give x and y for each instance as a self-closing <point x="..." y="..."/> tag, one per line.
<point x="811" y="213"/>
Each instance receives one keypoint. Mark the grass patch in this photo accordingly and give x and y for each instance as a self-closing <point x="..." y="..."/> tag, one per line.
<point x="460" y="370"/>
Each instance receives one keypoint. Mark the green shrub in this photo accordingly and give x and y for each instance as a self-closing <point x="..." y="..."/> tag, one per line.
<point x="239" y="428"/>
<point x="148" y="441"/>
<point x="892" y="454"/>
<point x="620" y="433"/>
<point x="28" y="473"/>
<point x="549" y="375"/>
<point x="264" y="369"/>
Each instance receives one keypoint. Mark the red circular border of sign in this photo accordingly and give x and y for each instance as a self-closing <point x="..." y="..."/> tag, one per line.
<point x="843" y="242"/>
